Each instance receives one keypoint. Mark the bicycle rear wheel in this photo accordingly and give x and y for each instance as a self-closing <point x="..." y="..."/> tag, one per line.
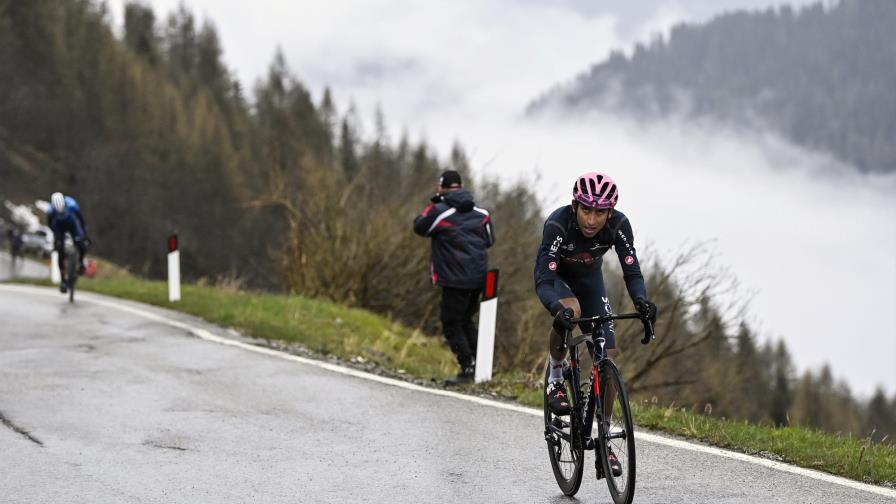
<point x="564" y="446"/>
<point x="618" y="436"/>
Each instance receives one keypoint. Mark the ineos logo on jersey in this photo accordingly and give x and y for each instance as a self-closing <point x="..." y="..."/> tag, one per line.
<point x="628" y="245"/>
<point x="556" y="245"/>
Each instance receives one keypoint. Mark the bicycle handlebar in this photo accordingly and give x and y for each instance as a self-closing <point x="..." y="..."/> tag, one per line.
<point x="599" y="320"/>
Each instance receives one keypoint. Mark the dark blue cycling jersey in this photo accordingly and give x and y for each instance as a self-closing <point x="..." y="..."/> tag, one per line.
<point x="68" y="221"/>
<point x="565" y="253"/>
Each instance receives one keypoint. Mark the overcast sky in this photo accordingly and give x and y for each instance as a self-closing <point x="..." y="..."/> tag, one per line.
<point x="464" y="70"/>
<point x="423" y="59"/>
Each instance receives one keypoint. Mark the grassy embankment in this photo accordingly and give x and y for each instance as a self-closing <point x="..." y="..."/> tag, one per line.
<point x="363" y="337"/>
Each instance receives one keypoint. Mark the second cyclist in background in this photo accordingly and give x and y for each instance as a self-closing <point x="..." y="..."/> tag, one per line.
<point x="64" y="216"/>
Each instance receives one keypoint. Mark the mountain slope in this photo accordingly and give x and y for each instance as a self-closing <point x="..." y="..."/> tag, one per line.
<point x="821" y="76"/>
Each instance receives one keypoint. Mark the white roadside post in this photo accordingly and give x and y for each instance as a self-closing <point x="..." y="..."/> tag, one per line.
<point x="55" y="274"/>
<point x="488" y="316"/>
<point x="173" y="269"/>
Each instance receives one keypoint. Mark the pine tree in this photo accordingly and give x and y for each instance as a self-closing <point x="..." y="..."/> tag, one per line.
<point x="328" y="115"/>
<point x="210" y="70"/>
<point x="459" y="161"/>
<point x="781" y="398"/>
<point x="140" y="32"/>
<point x="348" y="157"/>
<point x="751" y="386"/>
<point x="879" y="421"/>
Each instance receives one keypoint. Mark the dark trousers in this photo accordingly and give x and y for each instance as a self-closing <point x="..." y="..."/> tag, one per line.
<point x="458" y="308"/>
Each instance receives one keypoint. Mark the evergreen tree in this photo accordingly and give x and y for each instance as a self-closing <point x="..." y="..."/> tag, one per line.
<point x="348" y="157"/>
<point x="880" y="421"/>
<point x="751" y="389"/>
<point x="140" y="32"/>
<point x="210" y="70"/>
<point x="781" y="397"/>
<point x="459" y="161"/>
<point x="329" y="117"/>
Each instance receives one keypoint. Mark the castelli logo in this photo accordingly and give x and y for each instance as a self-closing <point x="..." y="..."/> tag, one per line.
<point x="552" y="266"/>
<point x="629" y="260"/>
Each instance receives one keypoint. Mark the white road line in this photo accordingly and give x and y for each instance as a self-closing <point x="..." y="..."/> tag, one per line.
<point x="642" y="436"/>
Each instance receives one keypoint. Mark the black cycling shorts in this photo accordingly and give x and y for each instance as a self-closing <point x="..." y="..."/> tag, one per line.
<point x="591" y="293"/>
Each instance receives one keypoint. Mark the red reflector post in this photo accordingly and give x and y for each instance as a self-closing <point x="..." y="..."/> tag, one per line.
<point x="172" y="243"/>
<point x="491" y="285"/>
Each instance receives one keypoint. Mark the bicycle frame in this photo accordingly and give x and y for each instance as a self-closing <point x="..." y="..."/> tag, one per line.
<point x="592" y="401"/>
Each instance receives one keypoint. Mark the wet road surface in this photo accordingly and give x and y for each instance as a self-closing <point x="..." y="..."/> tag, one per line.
<point x="104" y="406"/>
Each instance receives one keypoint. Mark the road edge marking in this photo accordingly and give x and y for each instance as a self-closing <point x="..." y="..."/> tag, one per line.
<point x="650" y="437"/>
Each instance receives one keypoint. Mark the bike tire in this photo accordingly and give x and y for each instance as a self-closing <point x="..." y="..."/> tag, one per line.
<point x="622" y="487"/>
<point x="72" y="273"/>
<point x="567" y="458"/>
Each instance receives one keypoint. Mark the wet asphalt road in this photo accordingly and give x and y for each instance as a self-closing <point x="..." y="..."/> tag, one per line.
<point x="22" y="268"/>
<point x="122" y="409"/>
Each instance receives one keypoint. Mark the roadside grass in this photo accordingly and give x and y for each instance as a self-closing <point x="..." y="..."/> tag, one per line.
<point x="359" y="336"/>
<point x="858" y="459"/>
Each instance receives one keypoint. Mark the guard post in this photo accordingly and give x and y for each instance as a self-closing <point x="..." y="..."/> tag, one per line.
<point x="55" y="274"/>
<point x="488" y="316"/>
<point x="173" y="269"/>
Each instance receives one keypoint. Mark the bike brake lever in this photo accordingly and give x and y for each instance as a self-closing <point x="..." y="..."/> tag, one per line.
<point x="649" y="333"/>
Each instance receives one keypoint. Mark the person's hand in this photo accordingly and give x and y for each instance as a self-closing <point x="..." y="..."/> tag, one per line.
<point x="562" y="320"/>
<point x="436" y="199"/>
<point x="646" y="308"/>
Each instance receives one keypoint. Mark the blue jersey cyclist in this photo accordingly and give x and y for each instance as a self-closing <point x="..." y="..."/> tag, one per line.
<point x="63" y="217"/>
<point x="568" y="276"/>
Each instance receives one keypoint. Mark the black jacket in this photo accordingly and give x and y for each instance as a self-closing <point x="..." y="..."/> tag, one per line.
<point x="460" y="233"/>
<point x="566" y="253"/>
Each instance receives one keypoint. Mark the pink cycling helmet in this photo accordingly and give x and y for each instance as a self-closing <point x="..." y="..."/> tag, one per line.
<point x="595" y="190"/>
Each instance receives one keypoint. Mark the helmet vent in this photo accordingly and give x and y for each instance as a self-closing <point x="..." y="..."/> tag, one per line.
<point x="611" y="192"/>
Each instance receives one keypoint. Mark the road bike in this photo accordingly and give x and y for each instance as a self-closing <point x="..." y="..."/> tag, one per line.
<point x="603" y="397"/>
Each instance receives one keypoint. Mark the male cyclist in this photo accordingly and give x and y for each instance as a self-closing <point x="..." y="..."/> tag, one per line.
<point x="63" y="217"/>
<point x="568" y="276"/>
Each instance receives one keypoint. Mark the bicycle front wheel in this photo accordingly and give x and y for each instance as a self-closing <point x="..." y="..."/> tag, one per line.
<point x="564" y="446"/>
<point x="618" y="436"/>
<point x="72" y="273"/>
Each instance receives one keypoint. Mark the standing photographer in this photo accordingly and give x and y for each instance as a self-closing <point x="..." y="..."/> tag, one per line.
<point x="460" y="233"/>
